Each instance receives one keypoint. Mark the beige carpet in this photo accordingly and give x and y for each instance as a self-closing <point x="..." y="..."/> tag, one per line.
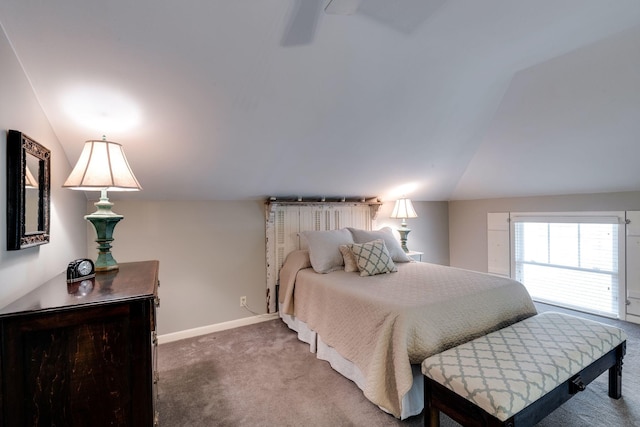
<point x="261" y="375"/>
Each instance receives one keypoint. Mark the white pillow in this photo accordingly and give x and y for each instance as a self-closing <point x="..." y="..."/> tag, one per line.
<point x="390" y="241"/>
<point x="373" y="258"/>
<point x="324" y="249"/>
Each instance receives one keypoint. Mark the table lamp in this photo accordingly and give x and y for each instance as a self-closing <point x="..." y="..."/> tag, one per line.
<point x="403" y="209"/>
<point x="103" y="167"/>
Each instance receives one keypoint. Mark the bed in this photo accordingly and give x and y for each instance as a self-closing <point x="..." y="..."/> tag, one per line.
<point x="377" y="329"/>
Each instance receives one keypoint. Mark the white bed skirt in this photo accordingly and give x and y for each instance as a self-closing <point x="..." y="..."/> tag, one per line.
<point x="412" y="402"/>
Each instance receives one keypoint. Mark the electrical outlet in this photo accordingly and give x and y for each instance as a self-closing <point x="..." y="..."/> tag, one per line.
<point x="243" y="301"/>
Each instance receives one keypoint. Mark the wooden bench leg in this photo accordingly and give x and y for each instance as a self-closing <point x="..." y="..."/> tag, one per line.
<point x="615" y="373"/>
<point x="431" y="413"/>
<point x="434" y="418"/>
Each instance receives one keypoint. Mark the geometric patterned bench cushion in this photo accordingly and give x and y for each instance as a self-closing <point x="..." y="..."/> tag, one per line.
<point x="507" y="370"/>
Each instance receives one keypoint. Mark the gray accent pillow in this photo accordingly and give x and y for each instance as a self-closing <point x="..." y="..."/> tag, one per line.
<point x="390" y="241"/>
<point x="373" y="258"/>
<point x="350" y="263"/>
<point x="324" y="251"/>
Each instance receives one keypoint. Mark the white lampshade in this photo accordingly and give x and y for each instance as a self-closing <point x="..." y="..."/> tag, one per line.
<point x="403" y="209"/>
<point x="30" y="181"/>
<point x="102" y="166"/>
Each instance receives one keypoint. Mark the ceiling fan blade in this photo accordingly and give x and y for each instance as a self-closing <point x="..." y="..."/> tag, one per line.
<point x="405" y="15"/>
<point x="301" y="27"/>
<point x="342" y="7"/>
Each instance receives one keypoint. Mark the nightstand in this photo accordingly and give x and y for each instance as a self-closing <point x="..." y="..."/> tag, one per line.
<point x="415" y="255"/>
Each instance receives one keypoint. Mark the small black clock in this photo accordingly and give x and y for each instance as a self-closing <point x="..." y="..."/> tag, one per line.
<point x="80" y="269"/>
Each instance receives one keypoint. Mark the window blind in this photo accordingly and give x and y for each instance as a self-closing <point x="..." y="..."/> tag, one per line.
<point x="570" y="261"/>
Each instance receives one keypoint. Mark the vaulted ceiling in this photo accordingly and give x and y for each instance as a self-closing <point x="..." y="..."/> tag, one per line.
<point x="438" y="99"/>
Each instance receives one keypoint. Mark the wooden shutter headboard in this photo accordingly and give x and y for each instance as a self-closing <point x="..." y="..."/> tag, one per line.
<point x="285" y="219"/>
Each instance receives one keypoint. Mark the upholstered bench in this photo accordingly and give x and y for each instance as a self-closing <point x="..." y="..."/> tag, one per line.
<point x="518" y="375"/>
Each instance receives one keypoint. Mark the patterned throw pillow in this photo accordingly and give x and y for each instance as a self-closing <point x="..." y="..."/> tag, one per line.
<point x="350" y="263"/>
<point x="373" y="258"/>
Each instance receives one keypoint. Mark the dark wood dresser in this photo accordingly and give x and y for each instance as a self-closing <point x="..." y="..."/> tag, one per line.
<point x="82" y="354"/>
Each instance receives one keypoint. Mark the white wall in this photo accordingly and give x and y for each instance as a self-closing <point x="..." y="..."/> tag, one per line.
<point x="21" y="271"/>
<point x="468" y="219"/>
<point x="210" y="253"/>
<point x="213" y="252"/>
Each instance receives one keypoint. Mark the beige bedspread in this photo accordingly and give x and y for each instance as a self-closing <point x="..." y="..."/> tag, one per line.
<point x="385" y="323"/>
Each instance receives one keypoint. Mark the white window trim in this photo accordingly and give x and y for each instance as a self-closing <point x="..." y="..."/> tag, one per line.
<point x="500" y="254"/>
<point x="611" y="217"/>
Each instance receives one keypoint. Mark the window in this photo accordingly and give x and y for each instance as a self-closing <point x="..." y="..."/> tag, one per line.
<point x="573" y="261"/>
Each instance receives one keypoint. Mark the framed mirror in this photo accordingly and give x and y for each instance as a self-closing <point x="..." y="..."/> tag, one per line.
<point x="28" y="192"/>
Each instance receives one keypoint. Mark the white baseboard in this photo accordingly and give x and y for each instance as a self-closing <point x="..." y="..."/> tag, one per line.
<point x="203" y="330"/>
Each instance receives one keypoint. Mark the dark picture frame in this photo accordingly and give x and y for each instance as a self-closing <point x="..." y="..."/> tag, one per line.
<point x="28" y="192"/>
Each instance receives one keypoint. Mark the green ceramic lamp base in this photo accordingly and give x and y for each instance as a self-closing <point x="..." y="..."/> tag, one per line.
<point x="404" y="231"/>
<point x="104" y="221"/>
